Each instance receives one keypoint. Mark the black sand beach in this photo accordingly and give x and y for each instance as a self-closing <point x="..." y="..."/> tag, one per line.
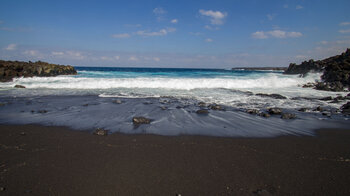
<point x="40" y="160"/>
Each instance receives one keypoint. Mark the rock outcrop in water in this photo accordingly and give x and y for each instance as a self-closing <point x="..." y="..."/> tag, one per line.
<point x="13" y="69"/>
<point x="336" y="71"/>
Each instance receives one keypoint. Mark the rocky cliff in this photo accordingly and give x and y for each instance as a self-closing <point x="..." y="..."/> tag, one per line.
<point x="336" y="71"/>
<point x="13" y="69"/>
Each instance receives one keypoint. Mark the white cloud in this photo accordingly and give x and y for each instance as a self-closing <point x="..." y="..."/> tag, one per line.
<point x="122" y="35"/>
<point x="117" y="57"/>
<point x="195" y="33"/>
<point x="57" y="53"/>
<point x="133" y="58"/>
<point x="75" y="55"/>
<point x="270" y="16"/>
<point x="31" y="52"/>
<point x="174" y="21"/>
<point x="11" y="47"/>
<point x="216" y="17"/>
<point x="276" y="34"/>
<point x="259" y="35"/>
<point x="208" y="40"/>
<point x="344" y="24"/>
<point x="161" y="32"/>
<point x="344" y="31"/>
<point x="298" y="7"/>
<point x="156" y="59"/>
<point x="159" y="11"/>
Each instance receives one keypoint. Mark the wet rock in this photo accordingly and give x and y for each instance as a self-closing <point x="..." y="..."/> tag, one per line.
<point x="100" y="131"/>
<point x="252" y="111"/>
<point x="163" y="107"/>
<point x="179" y="107"/>
<point x="345" y="109"/>
<point x="319" y="108"/>
<point x="265" y="115"/>
<point x="274" y="96"/>
<point x="19" y="86"/>
<point x="326" y="98"/>
<point x="304" y="109"/>
<point x="202" y="104"/>
<point x="216" y="107"/>
<point x="117" y="101"/>
<point x="288" y="116"/>
<point x="85" y="105"/>
<point x="309" y="85"/>
<point x="275" y="111"/>
<point x="202" y="111"/>
<point x="140" y="120"/>
<point x="147" y="102"/>
<point x="2" y="104"/>
<point x="335" y="101"/>
<point x="328" y="114"/>
<point x="42" y="111"/>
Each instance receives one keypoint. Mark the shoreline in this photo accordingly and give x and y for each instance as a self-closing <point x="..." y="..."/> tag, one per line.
<point x="46" y="160"/>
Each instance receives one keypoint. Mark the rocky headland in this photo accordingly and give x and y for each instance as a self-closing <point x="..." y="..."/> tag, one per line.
<point x="336" y="71"/>
<point x="14" y="69"/>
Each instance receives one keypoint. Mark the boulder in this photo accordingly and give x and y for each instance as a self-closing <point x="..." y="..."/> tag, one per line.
<point x="345" y="109"/>
<point x="202" y="111"/>
<point x="101" y="131"/>
<point x="275" y="111"/>
<point x="216" y="107"/>
<point x="140" y="120"/>
<point x="288" y="116"/>
<point x="117" y="101"/>
<point x="263" y="114"/>
<point x="202" y="104"/>
<point x="274" y="96"/>
<point x="19" y="86"/>
<point x="252" y="111"/>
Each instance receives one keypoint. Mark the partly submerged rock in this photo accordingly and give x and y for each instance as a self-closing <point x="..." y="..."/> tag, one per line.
<point x="202" y="111"/>
<point x="117" y="101"/>
<point x="140" y="120"/>
<point x="100" y="131"/>
<point x="216" y="107"/>
<point x="202" y="104"/>
<point x="274" y="96"/>
<point x="252" y="111"/>
<point x="275" y="111"/>
<point x="288" y="116"/>
<point x="263" y="114"/>
<point x="345" y="109"/>
<point x="19" y="86"/>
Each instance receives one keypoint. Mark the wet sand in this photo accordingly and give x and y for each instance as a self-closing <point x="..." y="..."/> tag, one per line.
<point x="40" y="160"/>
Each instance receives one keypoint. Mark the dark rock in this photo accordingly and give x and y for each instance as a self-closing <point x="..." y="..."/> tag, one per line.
<point x="42" y="111"/>
<point x="252" y="111"/>
<point x="100" y="131"/>
<point x="309" y="85"/>
<point x="14" y="69"/>
<point x="335" y="101"/>
<point x="202" y="111"/>
<point x="319" y="108"/>
<point x="147" y="102"/>
<point x="179" y="107"/>
<point x="2" y="104"/>
<point x="275" y="96"/>
<point x="216" y="107"/>
<point x="328" y="114"/>
<point x="275" y="111"/>
<point x="86" y="105"/>
<point x="117" y="101"/>
<point x="326" y="98"/>
<point x="163" y="107"/>
<point x="345" y="109"/>
<point x="263" y="114"/>
<point x="140" y="120"/>
<point x="202" y="104"/>
<point x="288" y="116"/>
<point x="304" y="109"/>
<point x="19" y="86"/>
<point x="2" y="188"/>
<point x="336" y="71"/>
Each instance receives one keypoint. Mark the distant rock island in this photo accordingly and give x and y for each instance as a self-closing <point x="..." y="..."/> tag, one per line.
<point x="14" y="69"/>
<point x="260" y="68"/>
<point x="336" y="72"/>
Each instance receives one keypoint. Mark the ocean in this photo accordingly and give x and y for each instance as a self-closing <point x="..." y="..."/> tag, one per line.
<point x="170" y="98"/>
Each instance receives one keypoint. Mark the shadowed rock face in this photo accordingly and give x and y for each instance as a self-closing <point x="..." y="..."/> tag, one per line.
<point x="13" y="69"/>
<point x="336" y="71"/>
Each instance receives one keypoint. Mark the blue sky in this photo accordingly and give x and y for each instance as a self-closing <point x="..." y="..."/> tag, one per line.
<point x="206" y="34"/>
